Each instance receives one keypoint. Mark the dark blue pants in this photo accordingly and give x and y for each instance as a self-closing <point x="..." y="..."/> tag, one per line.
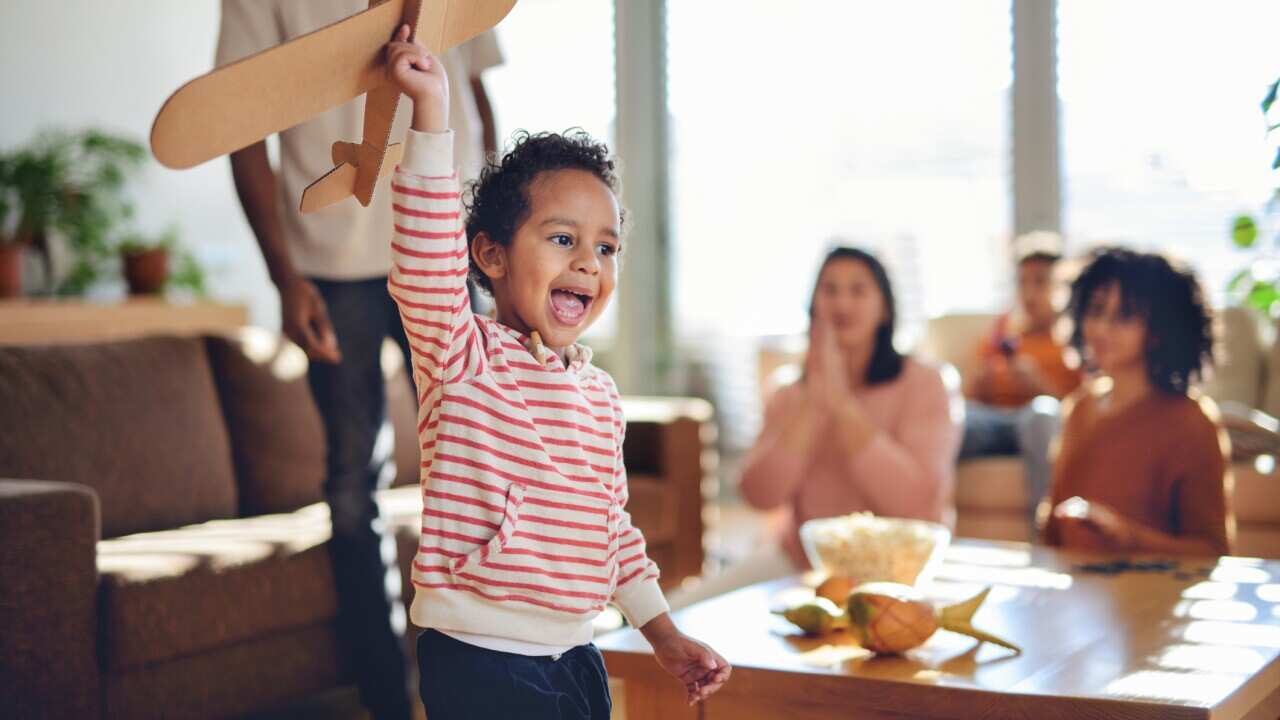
<point x="352" y="402"/>
<point x="1027" y="431"/>
<point x="459" y="681"/>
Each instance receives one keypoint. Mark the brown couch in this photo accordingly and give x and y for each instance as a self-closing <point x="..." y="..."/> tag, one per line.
<point x="162" y="536"/>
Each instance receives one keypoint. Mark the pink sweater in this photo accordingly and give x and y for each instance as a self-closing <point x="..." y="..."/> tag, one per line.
<point x="524" y="535"/>
<point x="908" y="469"/>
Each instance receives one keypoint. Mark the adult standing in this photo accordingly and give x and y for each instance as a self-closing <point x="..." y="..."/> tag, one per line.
<point x="330" y="268"/>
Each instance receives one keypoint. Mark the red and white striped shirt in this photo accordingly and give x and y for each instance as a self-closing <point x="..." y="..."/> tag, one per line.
<point x="524" y="535"/>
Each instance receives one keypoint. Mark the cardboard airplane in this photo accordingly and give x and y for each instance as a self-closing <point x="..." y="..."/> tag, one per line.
<point x="243" y="102"/>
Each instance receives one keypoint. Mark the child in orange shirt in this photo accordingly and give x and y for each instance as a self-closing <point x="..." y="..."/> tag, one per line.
<point x="1020" y="375"/>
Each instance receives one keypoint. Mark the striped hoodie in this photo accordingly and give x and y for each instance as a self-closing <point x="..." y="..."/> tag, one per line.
<point x="524" y="535"/>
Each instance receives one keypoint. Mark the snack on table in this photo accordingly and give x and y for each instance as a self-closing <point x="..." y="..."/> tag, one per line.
<point x="890" y="618"/>
<point x="866" y="548"/>
<point x="817" y="617"/>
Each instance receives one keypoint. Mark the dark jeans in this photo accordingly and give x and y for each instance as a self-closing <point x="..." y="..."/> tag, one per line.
<point x="352" y="402"/>
<point x="461" y="681"/>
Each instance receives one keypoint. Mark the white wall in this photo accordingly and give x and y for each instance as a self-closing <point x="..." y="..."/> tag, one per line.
<point x="80" y="63"/>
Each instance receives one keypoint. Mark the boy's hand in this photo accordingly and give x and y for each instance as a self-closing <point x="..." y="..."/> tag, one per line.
<point x="700" y="668"/>
<point x="421" y="76"/>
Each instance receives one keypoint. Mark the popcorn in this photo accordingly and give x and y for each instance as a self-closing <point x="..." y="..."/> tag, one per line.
<point x="866" y="548"/>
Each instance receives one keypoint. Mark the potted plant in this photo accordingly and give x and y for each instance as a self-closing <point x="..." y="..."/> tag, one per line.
<point x="10" y="251"/>
<point x="72" y="184"/>
<point x="152" y="265"/>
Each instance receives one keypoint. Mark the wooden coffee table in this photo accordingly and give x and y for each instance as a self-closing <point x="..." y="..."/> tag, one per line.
<point x="1200" y="641"/>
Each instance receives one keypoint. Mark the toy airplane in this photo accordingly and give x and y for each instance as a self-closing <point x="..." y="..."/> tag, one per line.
<point x="245" y="101"/>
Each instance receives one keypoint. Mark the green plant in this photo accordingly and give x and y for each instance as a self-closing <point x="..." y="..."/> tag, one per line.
<point x="1257" y="285"/>
<point x="72" y="183"/>
<point x="6" y="199"/>
<point x="185" y="272"/>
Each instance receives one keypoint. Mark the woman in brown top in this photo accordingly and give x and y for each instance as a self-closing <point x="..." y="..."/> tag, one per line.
<point x="1143" y="464"/>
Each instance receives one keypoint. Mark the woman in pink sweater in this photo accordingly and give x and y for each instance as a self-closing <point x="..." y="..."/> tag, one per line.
<point x="865" y="428"/>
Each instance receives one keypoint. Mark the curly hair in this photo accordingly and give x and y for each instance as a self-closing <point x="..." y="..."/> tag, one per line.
<point x="498" y="200"/>
<point x="1169" y="300"/>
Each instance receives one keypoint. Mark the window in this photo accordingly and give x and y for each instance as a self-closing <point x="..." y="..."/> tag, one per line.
<point x="558" y="74"/>
<point x="881" y="124"/>
<point x="1163" y="135"/>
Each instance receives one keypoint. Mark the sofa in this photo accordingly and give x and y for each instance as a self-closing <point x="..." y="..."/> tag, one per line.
<point x="162" y="534"/>
<point x="990" y="495"/>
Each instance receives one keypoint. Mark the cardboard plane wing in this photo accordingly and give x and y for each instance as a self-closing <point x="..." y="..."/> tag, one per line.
<point x="245" y="101"/>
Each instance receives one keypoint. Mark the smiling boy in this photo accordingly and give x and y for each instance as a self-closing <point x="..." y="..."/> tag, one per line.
<point x="524" y="536"/>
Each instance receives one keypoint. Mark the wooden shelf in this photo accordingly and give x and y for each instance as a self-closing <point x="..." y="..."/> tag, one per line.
<point x="41" y="321"/>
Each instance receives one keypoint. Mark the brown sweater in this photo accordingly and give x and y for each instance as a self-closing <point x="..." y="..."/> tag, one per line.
<point x="1161" y="461"/>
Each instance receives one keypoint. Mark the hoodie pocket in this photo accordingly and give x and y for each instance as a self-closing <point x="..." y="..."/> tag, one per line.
<point x="554" y="549"/>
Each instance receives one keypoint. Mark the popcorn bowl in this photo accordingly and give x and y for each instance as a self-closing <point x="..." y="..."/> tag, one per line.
<point x="867" y="548"/>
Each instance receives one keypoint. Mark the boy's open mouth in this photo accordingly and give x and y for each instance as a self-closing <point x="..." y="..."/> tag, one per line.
<point x="570" y="305"/>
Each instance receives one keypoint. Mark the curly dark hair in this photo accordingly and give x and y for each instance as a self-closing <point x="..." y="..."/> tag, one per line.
<point x="498" y="201"/>
<point x="1170" y="301"/>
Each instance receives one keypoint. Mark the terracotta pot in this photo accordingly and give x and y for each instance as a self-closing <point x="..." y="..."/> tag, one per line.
<point x="10" y="270"/>
<point x="146" y="270"/>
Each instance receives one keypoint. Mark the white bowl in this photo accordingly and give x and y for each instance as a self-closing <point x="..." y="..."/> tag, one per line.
<point x="866" y="548"/>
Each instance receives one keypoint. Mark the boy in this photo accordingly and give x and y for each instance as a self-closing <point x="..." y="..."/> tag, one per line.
<point x="1019" y="376"/>
<point x="524" y="538"/>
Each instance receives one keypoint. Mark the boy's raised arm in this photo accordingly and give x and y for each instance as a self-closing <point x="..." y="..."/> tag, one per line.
<point x="429" y="247"/>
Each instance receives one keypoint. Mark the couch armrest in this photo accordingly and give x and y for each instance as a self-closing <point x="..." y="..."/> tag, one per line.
<point x="48" y="612"/>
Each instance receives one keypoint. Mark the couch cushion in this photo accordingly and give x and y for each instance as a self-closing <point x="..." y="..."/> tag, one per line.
<point x="257" y="676"/>
<point x="1257" y="494"/>
<point x="954" y="339"/>
<point x="184" y="591"/>
<point x="277" y="438"/>
<point x="991" y="484"/>
<point x="1261" y="541"/>
<point x="1271" y="380"/>
<point x="1238" y="372"/>
<point x="992" y="525"/>
<point x="137" y="421"/>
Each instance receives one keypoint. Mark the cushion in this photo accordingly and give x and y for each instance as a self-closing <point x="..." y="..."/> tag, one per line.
<point x="1238" y="373"/>
<point x="277" y="439"/>
<point x="137" y="421"/>
<point x="1271" y="382"/>
<point x="1257" y="494"/>
<point x="992" y="526"/>
<point x="259" y="676"/>
<point x="954" y="339"/>
<point x="1262" y="541"/>
<point x="185" y="591"/>
<point x="991" y="484"/>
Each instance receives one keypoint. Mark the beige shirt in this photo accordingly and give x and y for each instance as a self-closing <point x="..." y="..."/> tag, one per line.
<point x="345" y="241"/>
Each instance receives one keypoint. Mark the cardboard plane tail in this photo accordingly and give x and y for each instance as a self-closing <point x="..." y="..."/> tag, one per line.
<point x="340" y="182"/>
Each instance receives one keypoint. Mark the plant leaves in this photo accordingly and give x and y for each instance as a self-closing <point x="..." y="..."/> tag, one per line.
<point x="1262" y="296"/>
<point x="1244" y="231"/>
<point x="1238" y="280"/>
<point x="1271" y="96"/>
